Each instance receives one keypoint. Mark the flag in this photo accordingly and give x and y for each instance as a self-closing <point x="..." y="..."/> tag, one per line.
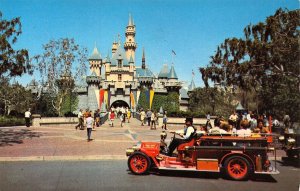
<point x="151" y="98"/>
<point x="173" y="52"/>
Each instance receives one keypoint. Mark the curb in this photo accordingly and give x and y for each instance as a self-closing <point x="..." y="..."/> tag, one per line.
<point x="77" y="158"/>
<point x="64" y="158"/>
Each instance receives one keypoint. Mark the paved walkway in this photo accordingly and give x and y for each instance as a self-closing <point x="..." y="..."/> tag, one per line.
<point x="66" y="143"/>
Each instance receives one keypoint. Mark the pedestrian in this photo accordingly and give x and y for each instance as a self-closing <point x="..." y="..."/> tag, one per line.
<point x="112" y="117"/>
<point x="97" y="118"/>
<point x="142" y="115"/>
<point x="165" y="120"/>
<point x="128" y="115"/>
<point x="148" y="115"/>
<point x="80" y="120"/>
<point x="153" y="119"/>
<point x="122" y="119"/>
<point x="89" y="126"/>
<point x="27" y="117"/>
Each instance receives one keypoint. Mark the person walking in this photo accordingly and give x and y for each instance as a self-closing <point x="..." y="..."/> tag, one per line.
<point x="112" y="117"/>
<point x="122" y="119"/>
<point x="128" y="115"/>
<point x="89" y="126"/>
<point x="27" y="117"/>
<point x="153" y="119"/>
<point x="165" y="120"/>
<point x="142" y="115"/>
<point x="80" y="120"/>
<point x="97" y="117"/>
<point x="148" y="115"/>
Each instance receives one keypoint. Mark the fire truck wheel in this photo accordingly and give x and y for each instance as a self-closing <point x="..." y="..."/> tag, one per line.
<point x="139" y="163"/>
<point x="237" y="168"/>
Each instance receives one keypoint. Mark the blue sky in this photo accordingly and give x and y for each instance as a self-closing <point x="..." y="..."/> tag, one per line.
<point x="192" y="28"/>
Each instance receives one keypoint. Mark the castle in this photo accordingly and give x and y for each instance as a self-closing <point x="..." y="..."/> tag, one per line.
<point x="117" y="81"/>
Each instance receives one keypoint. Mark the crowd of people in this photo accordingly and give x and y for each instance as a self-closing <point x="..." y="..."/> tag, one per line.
<point x="247" y="124"/>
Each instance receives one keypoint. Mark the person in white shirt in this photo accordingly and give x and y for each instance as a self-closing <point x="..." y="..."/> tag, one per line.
<point x="27" y="118"/>
<point x="80" y="120"/>
<point x="185" y="134"/>
<point x="244" y="130"/>
<point x="89" y="126"/>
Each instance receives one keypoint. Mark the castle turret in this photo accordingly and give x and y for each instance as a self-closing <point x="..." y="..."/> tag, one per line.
<point x="93" y="82"/>
<point x="95" y="62"/>
<point x="130" y="44"/>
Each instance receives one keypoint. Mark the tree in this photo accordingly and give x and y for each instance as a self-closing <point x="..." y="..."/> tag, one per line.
<point x="12" y="62"/>
<point x="212" y="100"/>
<point x="62" y="63"/>
<point x="14" y="97"/>
<point x="266" y="60"/>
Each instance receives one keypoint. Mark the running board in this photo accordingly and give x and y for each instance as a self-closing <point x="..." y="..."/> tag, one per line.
<point x="186" y="169"/>
<point x="267" y="172"/>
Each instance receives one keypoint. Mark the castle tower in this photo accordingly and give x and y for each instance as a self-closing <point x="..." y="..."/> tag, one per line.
<point x="93" y="82"/>
<point x="130" y="44"/>
<point x="95" y="61"/>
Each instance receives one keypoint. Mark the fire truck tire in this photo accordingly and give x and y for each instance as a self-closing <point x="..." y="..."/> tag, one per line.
<point x="139" y="163"/>
<point x="237" y="167"/>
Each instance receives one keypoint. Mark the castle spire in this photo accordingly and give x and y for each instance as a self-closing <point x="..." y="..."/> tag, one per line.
<point x="130" y="44"/>
<point x="130" y="22"/>
<point x="143" y="59"/>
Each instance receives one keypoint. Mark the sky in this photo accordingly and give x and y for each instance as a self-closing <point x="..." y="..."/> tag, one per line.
<point x="191" y="28"/>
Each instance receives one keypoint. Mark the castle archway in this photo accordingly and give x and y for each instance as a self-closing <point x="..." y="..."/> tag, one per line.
<point x="119" y="103"/>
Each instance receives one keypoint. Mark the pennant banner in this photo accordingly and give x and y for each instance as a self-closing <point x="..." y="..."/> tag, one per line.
<point x="151" y="97"/>
<point x="101" y="97"/>
<point x="147" y="92"/>
<point x="108" y="101"/>
<point x="106" y="98"/>
<point x="132" y="100"/>
<point x="138" y="96"/>
<point x="97" y="97"/>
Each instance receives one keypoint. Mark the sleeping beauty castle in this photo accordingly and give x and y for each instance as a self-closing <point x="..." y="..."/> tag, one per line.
<point x="120" y="79"/>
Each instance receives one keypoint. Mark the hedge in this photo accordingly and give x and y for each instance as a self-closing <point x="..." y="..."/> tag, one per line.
<point x="11" y="121"/>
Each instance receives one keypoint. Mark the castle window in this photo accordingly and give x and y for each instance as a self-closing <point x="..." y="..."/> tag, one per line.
<point x="119" y="77"/>
<point x="119" y="63"/>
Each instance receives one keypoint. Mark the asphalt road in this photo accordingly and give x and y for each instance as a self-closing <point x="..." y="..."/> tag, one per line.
<point x="114" y="175"/>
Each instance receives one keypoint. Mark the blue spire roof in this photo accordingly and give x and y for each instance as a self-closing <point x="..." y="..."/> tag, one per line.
<point x="131" y="59"/>
<point x="95" y="55"/>
<point x="164" y="71"/>
<point x="119" y="55"/>
<point x="172" y="74"/>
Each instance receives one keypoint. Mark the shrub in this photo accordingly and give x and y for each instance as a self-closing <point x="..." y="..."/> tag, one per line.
<point x="11" y="121"/>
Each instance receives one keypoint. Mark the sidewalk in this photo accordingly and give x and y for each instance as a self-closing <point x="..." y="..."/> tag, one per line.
<point x="47" y="143"/>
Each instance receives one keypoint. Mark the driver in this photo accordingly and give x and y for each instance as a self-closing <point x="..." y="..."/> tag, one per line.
<point x="185" y="134"/>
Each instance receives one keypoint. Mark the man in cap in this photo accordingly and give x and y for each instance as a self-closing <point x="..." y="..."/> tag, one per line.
<point x="185" y="134"/>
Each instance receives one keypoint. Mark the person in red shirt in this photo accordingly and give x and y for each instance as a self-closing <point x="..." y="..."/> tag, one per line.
<point x="112" y="117"/>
